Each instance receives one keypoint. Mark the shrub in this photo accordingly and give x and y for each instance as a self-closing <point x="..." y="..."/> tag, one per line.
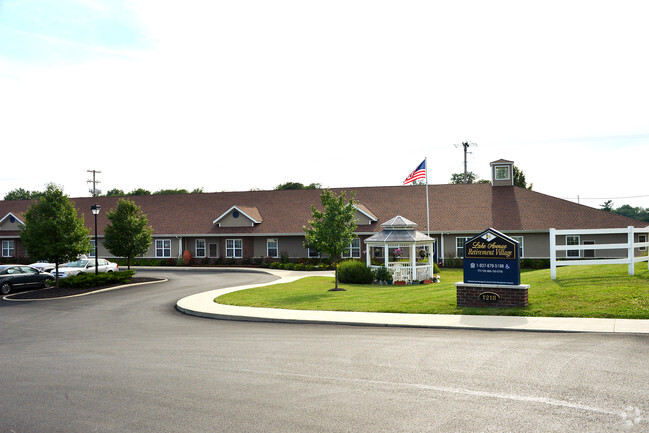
<point x="88" y="280"/>
<point x="382" y="275"/>
<point x="354" y="272"/>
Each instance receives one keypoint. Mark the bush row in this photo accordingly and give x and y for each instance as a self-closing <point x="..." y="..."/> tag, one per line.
<point x="88" y="280"/>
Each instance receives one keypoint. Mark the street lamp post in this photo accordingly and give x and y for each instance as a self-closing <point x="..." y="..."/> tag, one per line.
<point x="95" y="211"/>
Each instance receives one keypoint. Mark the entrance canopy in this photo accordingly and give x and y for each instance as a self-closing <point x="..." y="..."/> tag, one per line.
<point x="404" y="251"/>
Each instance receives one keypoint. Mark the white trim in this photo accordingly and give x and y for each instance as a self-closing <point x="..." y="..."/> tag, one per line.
<point x="371" y="217"/>
<point x="233" y="249"/>
<point x="10" y="214"/>
<point x="163" y="248"/>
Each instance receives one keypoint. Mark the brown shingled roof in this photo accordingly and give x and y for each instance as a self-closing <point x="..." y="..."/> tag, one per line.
<point x="453" y="208"/>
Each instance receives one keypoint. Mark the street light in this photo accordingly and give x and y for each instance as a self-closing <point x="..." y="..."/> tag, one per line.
<point x="95" y="211"/>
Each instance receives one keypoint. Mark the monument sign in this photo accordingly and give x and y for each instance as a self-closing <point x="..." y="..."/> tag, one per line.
<point x="492" y="258"/>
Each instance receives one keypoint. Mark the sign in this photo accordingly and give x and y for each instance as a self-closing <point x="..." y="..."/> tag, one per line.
<point x="492" y="258"/>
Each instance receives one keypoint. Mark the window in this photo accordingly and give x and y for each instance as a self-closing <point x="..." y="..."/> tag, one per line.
<point x="233" y="248"/>
<point x="522" y="244"/>
<point x="459" y="247"/>
<point x="272" y="247"/>
<point x="354" y="249"/>
<point x="213" y="249"/>
<point x="200" y="247"/>
<point x="573" y="240"/>
<point x="641" y="239"/>
<point x="163" y="247"/>
<point x="313" y="253"/>
<point x="502" y="172"/>
<point x="8" y="248"/>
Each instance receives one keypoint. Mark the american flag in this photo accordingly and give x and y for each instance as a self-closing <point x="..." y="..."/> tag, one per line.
<point x="419" y="173"/>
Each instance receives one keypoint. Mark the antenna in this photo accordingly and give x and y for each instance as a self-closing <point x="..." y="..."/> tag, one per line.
<point x="94" y="191"/>
<point x="466" y="145"/>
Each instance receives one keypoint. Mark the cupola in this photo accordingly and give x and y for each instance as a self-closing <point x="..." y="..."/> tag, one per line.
<point x="502" y="173"/>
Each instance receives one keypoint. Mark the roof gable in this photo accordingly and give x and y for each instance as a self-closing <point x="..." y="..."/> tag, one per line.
<point x="10" y="222"/>
<point x="239" y="216"/>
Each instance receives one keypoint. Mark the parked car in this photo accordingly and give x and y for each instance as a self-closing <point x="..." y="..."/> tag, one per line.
<point x="86" y="266"/>
<point x="43" y="266"/>
<point x="17" y="277"/>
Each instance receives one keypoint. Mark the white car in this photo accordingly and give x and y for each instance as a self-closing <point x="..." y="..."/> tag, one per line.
<point x="86" y="266"/>
<point x="43" y="266"/>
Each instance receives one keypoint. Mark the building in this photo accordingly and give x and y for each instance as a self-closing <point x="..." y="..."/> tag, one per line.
<point x="259" y="224"/>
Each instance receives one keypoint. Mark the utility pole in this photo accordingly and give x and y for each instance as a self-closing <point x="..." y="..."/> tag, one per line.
<point x="94" y="191"/>
<point x="466" y="145"/>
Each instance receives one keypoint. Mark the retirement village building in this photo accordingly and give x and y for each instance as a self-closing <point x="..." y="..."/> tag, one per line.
<point x="246" y="227"/>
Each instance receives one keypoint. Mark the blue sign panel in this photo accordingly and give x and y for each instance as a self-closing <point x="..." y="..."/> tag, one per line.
<point x="492" y="258"/>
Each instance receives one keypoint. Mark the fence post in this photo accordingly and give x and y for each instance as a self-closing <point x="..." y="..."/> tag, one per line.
<point x="631" y="252"/>
<point x="553" y="254"/>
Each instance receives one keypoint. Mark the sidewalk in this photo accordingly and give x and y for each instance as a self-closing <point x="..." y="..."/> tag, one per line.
<point x="203" y="305"/>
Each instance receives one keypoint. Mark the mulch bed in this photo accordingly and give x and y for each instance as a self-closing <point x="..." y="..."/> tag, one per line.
<point x="53" y="292"/>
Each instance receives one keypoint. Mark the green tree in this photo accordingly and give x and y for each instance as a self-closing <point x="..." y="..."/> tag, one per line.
<point x="22" y="194"/>
<point x="53" y="230"/>
<point x="607" y="206"/>
<point x="633" y="212"/>
<point x="519" y="179"/>
<point x="297" y="185"/>
<point x="332" y="231"/>
<point x="128" y="233"/>
<point x="140" y="191"/>
<point x="458" y="178"/>
<point x="115" y="192"/>
<point x="171" y="191"/>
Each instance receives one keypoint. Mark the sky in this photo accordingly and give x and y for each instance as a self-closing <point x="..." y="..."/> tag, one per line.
<point x="241" y="95"/>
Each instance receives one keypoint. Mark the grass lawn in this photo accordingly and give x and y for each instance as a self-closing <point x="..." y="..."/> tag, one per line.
<point x="578" y="291"/>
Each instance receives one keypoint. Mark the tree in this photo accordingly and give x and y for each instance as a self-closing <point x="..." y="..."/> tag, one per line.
<point x="332" y="231"/>
<point x="115" y="192"/>
<point x="458" y="178"/>
<point x="607" y="205"/>
<point x="53" y="230"/>
<point x="22" y="194"/>
<point x="519" y="178"/>
<point x="128" y="233"/>
<point x="633" y="212"/>
<point x="140" y="191"/>
<point x="297" y="185"/>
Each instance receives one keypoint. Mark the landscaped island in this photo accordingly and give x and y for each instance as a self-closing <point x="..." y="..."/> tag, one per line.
<point x="582" y="291"/>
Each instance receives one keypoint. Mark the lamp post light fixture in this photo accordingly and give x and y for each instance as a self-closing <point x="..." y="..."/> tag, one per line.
<point x="95" y="211"/>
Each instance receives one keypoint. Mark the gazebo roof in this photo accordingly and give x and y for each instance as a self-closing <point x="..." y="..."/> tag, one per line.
<point x="399" y="230"/>
<point x="399" y="223"/>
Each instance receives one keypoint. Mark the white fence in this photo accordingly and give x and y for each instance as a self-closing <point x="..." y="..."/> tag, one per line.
<point x="629" y="246"/>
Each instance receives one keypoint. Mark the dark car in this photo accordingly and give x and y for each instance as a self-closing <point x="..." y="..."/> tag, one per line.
<point x="19" y="277"/>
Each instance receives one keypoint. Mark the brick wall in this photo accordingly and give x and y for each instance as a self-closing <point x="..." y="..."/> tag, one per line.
<point x="495" y="296"/>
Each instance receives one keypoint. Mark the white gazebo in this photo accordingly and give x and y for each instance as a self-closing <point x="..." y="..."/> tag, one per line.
<point x="406" y="253"/>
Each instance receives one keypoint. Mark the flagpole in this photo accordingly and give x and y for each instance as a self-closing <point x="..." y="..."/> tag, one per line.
<point x="427" y="207"/>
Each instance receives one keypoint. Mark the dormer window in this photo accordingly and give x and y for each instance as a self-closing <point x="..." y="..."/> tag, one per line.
<point x="502" y="172"/>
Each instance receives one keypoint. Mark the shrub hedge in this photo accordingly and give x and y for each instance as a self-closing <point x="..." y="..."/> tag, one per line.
<point x="88" y="280"/>
<point x="354" y="272"/>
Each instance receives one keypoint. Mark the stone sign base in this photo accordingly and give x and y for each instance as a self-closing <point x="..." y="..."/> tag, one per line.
<point x="491" y="295"/>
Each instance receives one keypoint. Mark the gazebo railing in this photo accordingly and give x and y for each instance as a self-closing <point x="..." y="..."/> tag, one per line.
<point x="403" y="271"/>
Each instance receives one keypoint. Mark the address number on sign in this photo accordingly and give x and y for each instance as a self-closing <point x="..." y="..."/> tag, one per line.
<point x="489" y="297"/>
